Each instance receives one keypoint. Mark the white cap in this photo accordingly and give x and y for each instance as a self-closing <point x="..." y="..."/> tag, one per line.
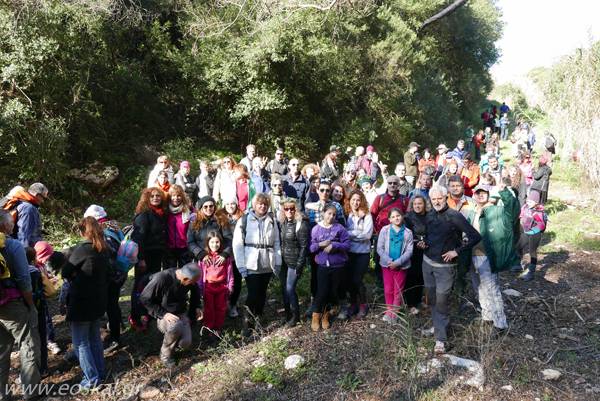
<point x="96" y="212"/>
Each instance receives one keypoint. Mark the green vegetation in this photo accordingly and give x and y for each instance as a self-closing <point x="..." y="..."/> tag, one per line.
<point x="116" y="81"/>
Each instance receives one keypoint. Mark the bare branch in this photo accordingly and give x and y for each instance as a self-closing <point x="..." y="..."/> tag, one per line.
<point x="446" y="11"/>
<point x="317" y="7"/>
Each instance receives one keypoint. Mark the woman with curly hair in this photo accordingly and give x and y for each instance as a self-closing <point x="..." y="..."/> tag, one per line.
<point x="207" y="220"/>
<point x="360" y="230"/>
<point x="179" y="216"/>
<point x="150" y="233"/>
<point x="310" y="170"/>
<point x="224" y="185"/>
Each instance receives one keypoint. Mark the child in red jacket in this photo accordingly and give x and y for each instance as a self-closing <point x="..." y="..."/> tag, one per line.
<point x="216" y="282"/>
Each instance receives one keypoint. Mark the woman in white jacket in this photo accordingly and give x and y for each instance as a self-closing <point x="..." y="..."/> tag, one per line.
<point x="257" y="251"/>
<point x="225" y="180"/>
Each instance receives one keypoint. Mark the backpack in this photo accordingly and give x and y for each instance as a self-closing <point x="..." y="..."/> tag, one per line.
<point x="12" y="209"/>
<point x="124" y="251"/>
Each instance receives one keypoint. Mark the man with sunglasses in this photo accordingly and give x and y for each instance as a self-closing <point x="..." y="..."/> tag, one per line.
<point x="295" y="185"/>
<point x="278" y="165"/>
<point x="380" y="210"/>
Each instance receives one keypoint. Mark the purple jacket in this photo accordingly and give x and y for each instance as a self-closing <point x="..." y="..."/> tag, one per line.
<point x="340" y="241"/>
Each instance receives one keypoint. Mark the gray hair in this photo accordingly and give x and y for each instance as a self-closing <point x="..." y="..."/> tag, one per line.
<point x="37" y="188"/>
<point x="190" y="270"/>
<point x="438" y="189"/>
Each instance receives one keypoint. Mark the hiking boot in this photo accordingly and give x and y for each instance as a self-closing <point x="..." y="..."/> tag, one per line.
<point x="168" y="362"/>
<point x="315" y="325"/>
<point x="293" y="321"/>
<point x="325" y="321"/>
<point x="353" y="310"/>
<point x="363" y="309"/>
<point x="529" y="275"/>
<point x="343" y="314"/>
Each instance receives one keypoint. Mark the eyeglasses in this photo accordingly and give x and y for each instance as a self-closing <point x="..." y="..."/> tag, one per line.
<point x="211" y="206"/>
<point x="393" y="183"/>
<point x="289" y="209"/>
<point x="324" y="190"/>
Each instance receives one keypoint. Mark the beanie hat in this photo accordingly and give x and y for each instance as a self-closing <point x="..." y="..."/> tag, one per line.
<point x="364" y="179"/>
<point x="534" y="196"/>
<point x="230" y="198"/>
<point x="96" y="212"/>
<point x="205" y="199"/>
<point x="370" y="148"/>
<point x="43" y="251"/>
<point x="183" y="164"/>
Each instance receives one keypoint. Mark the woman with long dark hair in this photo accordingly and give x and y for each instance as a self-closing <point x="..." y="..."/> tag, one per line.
<point x="86" y="271"/>
<point x="179" y="216"/>
<point x="209" y="219"/>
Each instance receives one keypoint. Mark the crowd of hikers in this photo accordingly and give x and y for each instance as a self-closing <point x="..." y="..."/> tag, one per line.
<point x="195" y="239"/>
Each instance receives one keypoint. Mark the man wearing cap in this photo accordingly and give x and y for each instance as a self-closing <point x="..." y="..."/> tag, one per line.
<point x="445" y="230"/>
<point x="162" y="163"/>
<point x="411" y="162"/>
<point x="278" y="165"/>
<point x="24" y="207"/>
<point x="440" y="160"/>
<point x="495" y="252"/>
<point x="369" y="163"/>
<point x="295" y="185"/>
<point x="187" y="181"/>
<point x="166" y="297"/>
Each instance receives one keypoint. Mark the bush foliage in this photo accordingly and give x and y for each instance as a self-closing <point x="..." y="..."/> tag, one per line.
<point x="97" y="80"/>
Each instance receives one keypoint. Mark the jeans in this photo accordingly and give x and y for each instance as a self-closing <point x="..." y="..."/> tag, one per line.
<point x="504" y="132"/>
<point x="485" y="283"/>
<point x="176" y="334"/>
<point x="328" y="280"/>
<point x="438" y="282"/>
<point x="257" y="285"/>
<point x="393" y="284"/>
<point x="358" y="264"/>
<point x="88" y="345"/>
<point x="289" y="278"/>
<point x="50" y="335"/>
<point x="19" y="324"/>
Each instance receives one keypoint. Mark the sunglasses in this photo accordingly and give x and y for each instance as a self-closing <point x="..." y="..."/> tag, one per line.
<point x="393" y="183"/>
<point x="289" y="209"/>
<point x="155" y="196"/>
<point x="324" y="190"/>
<point x="208" y="206"/>
<point x="276" y="185"/>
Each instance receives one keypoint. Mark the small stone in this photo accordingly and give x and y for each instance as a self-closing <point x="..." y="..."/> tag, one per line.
<point x="149" y="392"/>
<point x="372" y="325"/>
<point x="529" y="336"/>
<point x="508" y="387"/>
<point x="260" y="361"/>
<point x="551" y="374"/>
<point x="293" y="362"/>
<point x="269" y="386"/>
<point x="511" y="293"/>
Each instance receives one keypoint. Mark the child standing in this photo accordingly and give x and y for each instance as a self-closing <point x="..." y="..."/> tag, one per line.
<point x="533" y="222"/>
<point x="395" y="248"/>
<point x="330" y="243"/>
<point x="216" y="281"/>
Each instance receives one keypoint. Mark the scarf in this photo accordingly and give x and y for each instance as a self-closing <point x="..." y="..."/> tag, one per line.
<point x="165" y="187"/>
<point x="185" y="214"/>
<point x="19" y="196"/>
<point x="396" y="241"/>
<point x="158" y="210"/>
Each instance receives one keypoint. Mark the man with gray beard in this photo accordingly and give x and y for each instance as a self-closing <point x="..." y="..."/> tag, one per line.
<point x="445" y="229"/>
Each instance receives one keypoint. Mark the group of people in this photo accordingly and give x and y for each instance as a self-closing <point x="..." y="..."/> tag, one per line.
<point x="195" y="240"/>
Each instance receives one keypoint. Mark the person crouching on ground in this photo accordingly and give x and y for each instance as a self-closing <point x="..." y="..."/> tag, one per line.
<point x="395" y="248"/>
<point x="216" y="282"/>
<point x="331" y="243"/>
<point x="165" y="297"/>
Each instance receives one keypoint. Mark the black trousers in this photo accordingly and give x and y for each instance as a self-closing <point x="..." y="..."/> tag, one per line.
<point x="154" y="263"/>
<point x="328" y="280"/>
<point x="358" y="264"/>
<point x="413" y="287"/>
<point x="113" y="310"/>
<point x="257" y="285"/>
<point x="237" y="286"/>
<point x="177" y="257"/>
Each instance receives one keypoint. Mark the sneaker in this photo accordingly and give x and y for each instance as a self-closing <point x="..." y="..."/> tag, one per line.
<point x="363" y="309"/>
<point x="233" y="312"/>
<point x="527" y="276"/>
<point x="428" y="332"/>
<point x="439" y="348"/>
<point x="53" y="348"/>
<point x="111" y="346"/>
<point x="413" y="311"/>
<point x="516" y="269"/>
<point x="387" y="318"/>
<point x="343" y="313"/>
<point x="353" y="310"/>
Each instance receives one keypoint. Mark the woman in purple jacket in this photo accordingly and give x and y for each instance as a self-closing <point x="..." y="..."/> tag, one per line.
<point x="330" y="244"/>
